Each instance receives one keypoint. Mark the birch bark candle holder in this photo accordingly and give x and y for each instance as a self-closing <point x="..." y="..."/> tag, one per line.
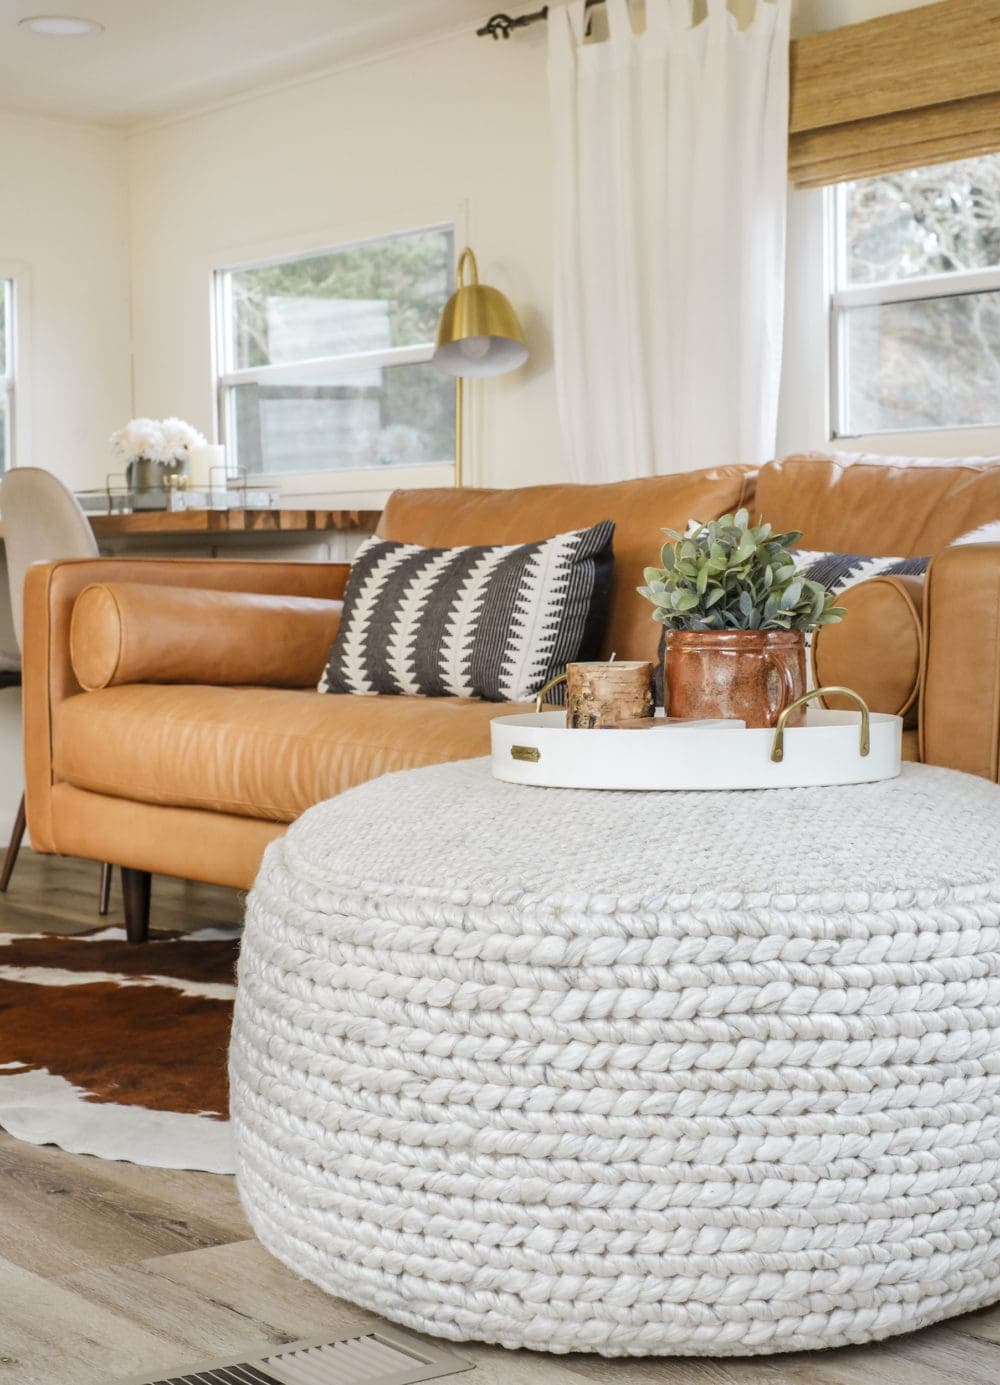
<point x="608" y="694"/>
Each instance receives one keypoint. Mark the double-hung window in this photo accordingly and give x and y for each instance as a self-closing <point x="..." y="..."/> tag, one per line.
<point x="915" y="328"/>
<point x="325" y="358"/>
<point x="6" y="371"/>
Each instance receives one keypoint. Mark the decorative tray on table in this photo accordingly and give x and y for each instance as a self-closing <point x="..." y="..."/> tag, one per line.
<point x="831" y="748"/>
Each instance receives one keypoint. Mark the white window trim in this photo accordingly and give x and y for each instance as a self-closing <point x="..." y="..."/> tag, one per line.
<point x="808" y="383"/>
<point x="8" y="381"/>
<point x="362" y="483"/>
<point x="918" y="289"/>
<point x="953" y="285"/>
<point x="17" y="380"/>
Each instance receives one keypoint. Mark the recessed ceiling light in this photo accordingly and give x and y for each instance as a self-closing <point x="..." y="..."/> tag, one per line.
<point x="61" y="25"/>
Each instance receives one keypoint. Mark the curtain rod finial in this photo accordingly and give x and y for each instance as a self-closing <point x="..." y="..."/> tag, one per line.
<point x="500" y="25"/>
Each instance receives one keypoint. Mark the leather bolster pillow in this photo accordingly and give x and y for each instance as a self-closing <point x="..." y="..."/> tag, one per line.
<point x="127" y="632"/>
<point x="878" y="647"/>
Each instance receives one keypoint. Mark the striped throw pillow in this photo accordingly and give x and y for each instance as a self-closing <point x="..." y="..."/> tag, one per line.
<point x="489" y="622"/>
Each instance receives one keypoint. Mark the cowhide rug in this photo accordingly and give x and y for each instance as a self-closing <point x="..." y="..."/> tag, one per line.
<point x="119" y="1050"/>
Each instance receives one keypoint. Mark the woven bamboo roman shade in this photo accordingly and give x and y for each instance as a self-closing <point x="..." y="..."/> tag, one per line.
<point x="913" y="88"/>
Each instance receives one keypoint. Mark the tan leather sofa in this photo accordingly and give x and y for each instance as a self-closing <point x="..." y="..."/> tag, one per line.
<point x="192" y="775"/>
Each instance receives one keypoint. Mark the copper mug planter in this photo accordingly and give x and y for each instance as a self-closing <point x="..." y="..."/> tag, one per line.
<point x="751" y="675"/>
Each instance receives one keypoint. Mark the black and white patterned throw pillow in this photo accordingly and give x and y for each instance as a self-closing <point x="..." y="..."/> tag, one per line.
<point x="986" y="533"/>
<point x="491" y="622"/>
<point x="840" y="571"/>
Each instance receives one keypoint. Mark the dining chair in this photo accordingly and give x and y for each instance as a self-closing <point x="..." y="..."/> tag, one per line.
<point x="42" y="521"/>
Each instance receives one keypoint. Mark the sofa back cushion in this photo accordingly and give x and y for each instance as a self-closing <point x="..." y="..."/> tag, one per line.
<point x="639" y="508"/>
<point x="855" y="503"/>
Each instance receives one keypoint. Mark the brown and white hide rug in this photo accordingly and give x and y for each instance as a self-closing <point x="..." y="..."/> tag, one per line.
<point x="118" y="1049"/>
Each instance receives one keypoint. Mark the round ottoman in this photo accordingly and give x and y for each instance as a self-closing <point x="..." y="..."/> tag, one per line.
<point x="629" y="1073"/>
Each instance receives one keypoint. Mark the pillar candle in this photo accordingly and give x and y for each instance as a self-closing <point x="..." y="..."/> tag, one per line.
<point x="206" y="467"/>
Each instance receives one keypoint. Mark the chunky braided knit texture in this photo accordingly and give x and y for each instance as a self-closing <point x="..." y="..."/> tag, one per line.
<point x="630" y="1073"/>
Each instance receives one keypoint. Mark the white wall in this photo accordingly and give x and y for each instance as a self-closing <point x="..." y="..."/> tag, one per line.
<point x="454" y="130"/>
<point x="63" y="236"/>
<point x="64" y="240"/>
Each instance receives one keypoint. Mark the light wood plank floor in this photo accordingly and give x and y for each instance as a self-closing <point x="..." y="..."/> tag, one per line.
<point x="108" y="1270"/>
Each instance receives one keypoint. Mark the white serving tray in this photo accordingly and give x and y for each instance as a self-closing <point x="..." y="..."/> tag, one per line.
<point x="537" y="748"/>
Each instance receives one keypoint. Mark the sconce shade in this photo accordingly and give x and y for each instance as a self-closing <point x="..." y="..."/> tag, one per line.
<point x="479" y="333"/>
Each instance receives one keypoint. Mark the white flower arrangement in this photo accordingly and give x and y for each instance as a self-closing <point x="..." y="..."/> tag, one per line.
<point x="159" y="440"/>
<point x="142" y="437"/>
<point x="179" y="438"/>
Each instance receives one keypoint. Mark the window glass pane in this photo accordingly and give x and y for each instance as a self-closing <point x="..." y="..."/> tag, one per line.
<point x="403" y="416"/>
<point x="923" y="221"/>
<point x="928" y="363"/>
<point x="368" y="297"/>
<point x="4" y="295"/>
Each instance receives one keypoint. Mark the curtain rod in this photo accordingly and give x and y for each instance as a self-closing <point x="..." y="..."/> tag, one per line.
<point x="501" y="25"/>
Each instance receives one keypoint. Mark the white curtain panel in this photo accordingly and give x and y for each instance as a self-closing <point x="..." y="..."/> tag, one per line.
<point x="671" y="154"/>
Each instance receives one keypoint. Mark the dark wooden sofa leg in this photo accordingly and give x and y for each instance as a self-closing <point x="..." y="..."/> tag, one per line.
<point x="13" y="847"/>
<point x="104" y="900"/>
<point x="135" y="896"/>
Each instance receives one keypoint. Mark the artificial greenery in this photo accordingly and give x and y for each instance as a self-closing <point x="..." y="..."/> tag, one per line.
<point x="731" y="575"/>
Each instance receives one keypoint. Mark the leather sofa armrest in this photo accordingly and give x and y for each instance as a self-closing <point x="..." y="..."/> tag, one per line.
<point x="134" y="632"/>
<point x="50" y="593"/>
<point x="960" y="684"/>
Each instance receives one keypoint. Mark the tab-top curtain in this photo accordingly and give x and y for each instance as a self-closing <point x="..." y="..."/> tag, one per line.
<point x="671" y="152"/>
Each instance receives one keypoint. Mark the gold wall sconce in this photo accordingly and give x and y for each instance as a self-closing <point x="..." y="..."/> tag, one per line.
<point x="479" y="334"/>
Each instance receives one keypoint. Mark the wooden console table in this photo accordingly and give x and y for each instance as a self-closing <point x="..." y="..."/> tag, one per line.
<point x="300" y="535"/>
<point x="211" y="522"/>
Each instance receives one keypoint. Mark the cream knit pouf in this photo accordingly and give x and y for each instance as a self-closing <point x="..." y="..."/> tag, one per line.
<point x="630" y="1073"/>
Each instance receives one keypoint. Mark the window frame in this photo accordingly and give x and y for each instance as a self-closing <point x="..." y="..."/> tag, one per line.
<point x="844" y="297"/>
<point x="8" y="380"/>
<point x="228" y="375"/>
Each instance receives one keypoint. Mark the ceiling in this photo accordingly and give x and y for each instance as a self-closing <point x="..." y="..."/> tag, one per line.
<point x="158" y="57"/>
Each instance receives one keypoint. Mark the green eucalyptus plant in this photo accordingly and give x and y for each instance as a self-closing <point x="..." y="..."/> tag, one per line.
<point x="731" y="575"/>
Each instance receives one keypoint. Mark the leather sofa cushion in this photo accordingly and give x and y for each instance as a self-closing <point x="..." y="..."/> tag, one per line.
<point x="909" y="506"/>
<point x="260" y="752"/>
<point x="640" y="509"/>
<point x="877" y="649"/>
<point x="126" y="632"/>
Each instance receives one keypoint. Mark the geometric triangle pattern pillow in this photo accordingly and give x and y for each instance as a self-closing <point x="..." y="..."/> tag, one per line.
<point x="494" y="622"/>
<point x="986" y="533"/>
<point x="840" y="571"/>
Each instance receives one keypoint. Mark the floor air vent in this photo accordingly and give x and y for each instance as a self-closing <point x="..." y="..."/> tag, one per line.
<point x="378" y="1358"/>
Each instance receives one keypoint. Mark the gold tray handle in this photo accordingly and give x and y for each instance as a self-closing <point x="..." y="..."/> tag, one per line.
<point x="778" y="745"/>
<point x="547" y="687"/>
